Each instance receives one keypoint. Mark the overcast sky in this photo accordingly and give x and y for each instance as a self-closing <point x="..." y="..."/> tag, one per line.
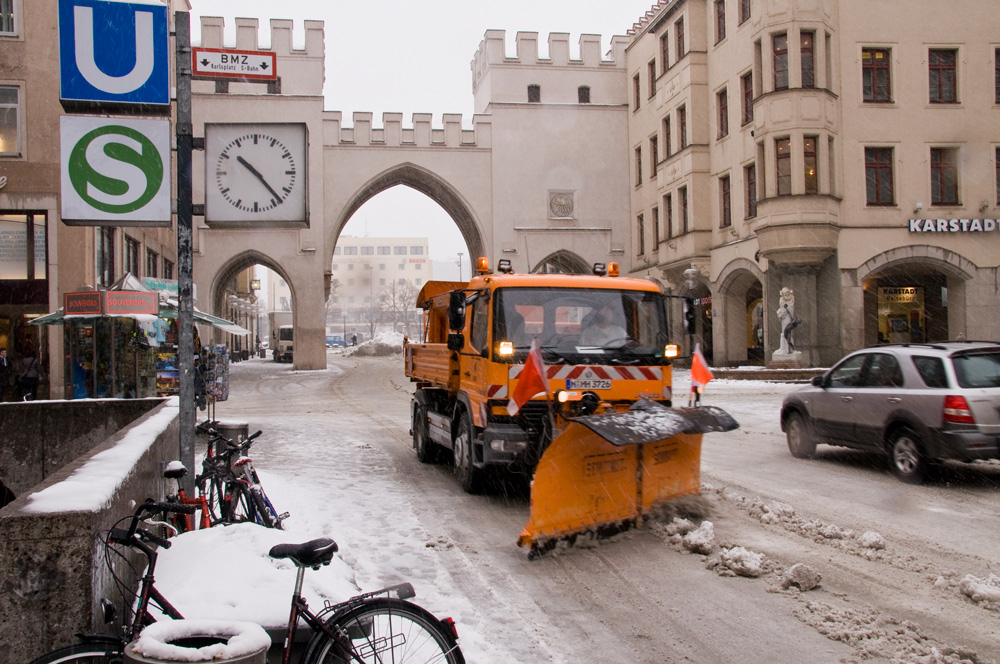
<point x="410" y="57"/>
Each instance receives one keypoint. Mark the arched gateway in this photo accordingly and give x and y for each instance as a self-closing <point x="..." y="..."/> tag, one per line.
<point x="519" y="182"/>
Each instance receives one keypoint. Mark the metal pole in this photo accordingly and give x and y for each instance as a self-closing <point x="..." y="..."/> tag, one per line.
<point x="185" y="314"/>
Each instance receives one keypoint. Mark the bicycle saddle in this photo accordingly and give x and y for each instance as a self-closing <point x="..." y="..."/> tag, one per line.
<point x="308" y="554"/>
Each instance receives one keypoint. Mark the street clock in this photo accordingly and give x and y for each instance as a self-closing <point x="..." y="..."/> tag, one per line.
<point x="255" y="172"/>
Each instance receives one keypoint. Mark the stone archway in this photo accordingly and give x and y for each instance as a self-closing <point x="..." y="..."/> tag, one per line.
<point x="740" y="291"/>
<point x="222" y="282"/>
<point x="563" y="261"/>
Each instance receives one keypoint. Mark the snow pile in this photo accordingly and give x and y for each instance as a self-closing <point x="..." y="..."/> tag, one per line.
<point x="701" y="540"/>
<point x="981" y="590"/>
<point x="237" y="639"/>
<point x="801" y="576"/>
<point x="871" y="540"/>
<point x="737" y="561"/>
<point x="382" y="344"/>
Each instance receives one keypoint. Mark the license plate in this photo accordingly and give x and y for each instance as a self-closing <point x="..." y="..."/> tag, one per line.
<point x="588" y="384"/>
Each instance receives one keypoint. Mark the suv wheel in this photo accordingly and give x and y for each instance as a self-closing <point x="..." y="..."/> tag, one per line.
<point x="800" y="441"/>
<point x="906" y="457"/>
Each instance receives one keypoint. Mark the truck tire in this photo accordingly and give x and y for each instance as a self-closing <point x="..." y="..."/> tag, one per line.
<point x="468" y="475"/>
<point x="427" y="451"/>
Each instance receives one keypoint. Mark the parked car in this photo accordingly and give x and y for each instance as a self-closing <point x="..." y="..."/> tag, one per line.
<point x="916" y="403"/>
<point x="335" y="340"/>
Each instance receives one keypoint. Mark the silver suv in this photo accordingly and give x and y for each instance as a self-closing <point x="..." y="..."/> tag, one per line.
<point x="917" y="403"/>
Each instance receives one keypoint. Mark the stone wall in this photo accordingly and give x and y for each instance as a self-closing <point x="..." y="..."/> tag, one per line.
<point x="52" y="569"/>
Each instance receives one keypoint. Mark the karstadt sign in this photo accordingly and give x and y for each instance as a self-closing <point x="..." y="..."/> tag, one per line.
<point x="953" y="225"/>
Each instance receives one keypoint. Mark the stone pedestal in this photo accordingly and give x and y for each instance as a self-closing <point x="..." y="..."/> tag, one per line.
<point x="793" y="360"/>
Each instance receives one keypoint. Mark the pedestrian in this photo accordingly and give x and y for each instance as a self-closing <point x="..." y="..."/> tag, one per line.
<point x="6" y="369"/>
<point x="354" y="340"/>
<point x="31" y="373"/>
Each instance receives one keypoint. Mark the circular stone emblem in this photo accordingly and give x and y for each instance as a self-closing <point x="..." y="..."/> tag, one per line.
<point x="561" y="205"/>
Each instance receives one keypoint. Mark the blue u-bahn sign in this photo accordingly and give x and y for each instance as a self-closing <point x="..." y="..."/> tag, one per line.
<point x="114" y="52"/>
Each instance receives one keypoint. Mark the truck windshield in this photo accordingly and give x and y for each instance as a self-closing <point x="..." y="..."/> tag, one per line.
<point x="285" y="334"/>
<point x="582" y="325"/>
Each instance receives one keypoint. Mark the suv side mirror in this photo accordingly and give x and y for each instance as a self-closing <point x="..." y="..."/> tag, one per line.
<point x="818" y="381"/>
<point x="456" y="310"/>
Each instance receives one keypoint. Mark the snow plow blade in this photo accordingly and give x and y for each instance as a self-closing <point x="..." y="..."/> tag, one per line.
<point x="603" y="473"/>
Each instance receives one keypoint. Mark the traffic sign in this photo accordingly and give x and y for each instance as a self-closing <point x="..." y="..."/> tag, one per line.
<point x="131" y="65"/>
<point x="115" y="171"/>
<point x="230" y="63"/>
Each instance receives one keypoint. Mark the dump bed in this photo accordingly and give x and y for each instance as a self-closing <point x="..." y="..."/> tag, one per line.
<point x="429" y="363"/>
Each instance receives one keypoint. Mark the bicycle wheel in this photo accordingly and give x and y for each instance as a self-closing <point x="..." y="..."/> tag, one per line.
<point x="240" y="506"/>
<point x="83" y="653"/>
<point x="384" y="629"/>
<point x="266" y="514"/>
<point x="213" y="491"/>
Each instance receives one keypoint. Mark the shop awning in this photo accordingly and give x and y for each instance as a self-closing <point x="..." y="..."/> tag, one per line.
<point x="169" y="309"/>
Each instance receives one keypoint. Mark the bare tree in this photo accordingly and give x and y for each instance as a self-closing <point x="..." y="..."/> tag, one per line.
<point x="398" y="300"/>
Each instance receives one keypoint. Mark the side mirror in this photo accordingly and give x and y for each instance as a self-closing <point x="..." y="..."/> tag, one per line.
<point x="817" y="381"/>
<point x="456" y="341"/>
<point x="456" y="310"/>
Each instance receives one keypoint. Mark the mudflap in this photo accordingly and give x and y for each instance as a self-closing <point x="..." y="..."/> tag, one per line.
<point x="605" y="472"/>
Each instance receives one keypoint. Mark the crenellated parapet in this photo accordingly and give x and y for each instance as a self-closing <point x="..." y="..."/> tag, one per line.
<point x="248" y="33"/>
<point x="392" y="133"/>
<point x="653" y="11"/>
<point x="493" y="52"/>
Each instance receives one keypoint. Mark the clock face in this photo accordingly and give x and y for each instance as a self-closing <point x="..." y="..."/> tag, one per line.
<point x="255" y="172"/>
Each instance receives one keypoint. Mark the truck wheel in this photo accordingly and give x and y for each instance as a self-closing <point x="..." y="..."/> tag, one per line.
<point x="427" y="451"/>
<point x="906" y="458"/>
<point x="468" y="475"/>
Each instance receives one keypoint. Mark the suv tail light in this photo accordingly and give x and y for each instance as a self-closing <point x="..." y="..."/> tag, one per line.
<point x="956" y="410"/>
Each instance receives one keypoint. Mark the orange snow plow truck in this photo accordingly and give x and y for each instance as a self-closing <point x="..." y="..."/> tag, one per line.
<point x="602" y="444"/>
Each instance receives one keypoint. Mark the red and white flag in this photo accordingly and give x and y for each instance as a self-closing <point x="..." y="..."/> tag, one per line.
<point x="700" y="373"/>
<point x="532" y="380"/>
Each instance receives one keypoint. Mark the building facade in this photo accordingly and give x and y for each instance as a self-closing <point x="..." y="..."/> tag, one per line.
<point x="826" y="147"/>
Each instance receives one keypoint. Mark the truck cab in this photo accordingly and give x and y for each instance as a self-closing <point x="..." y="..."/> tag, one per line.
<point x="283" y="348"/>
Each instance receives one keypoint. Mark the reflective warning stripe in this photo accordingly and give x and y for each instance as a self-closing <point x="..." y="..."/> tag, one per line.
<point x="496" y="392"/>
<point x="569" y="372"/>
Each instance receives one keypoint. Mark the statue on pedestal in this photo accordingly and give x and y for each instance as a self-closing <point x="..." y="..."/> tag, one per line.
<point x="788" y="321"/>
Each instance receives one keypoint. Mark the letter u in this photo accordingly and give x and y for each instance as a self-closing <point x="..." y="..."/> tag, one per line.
<point x="83" y="33"/>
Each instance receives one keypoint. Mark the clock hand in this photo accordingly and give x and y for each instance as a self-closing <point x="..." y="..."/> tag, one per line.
<point x="260" y="177"/>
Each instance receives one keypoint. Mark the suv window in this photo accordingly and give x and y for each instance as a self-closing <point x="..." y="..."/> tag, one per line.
<point x="848" y="374"/>
<point x="883" y="371"/>
<point x="931" y="370"/>
<point x="978" y="369"/>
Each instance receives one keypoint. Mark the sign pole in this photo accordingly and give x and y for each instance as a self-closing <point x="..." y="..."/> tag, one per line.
<point x="185" y="300"/>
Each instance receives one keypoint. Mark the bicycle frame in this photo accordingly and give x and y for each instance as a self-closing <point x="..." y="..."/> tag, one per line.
<point x="300" y="609"/>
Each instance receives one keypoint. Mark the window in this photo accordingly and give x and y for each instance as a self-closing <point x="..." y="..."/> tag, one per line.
<point x="417" y="250"/>
<point x="783" y="158"/>
<point x="942" y="63"/>
<point x="656" y="228"/>
<point x="22" y="250"/>
<point x="638" y="165"/>
<point x="350" y="266"/>
<point x="368" y="251"/>
<point x="944" y="176"/>
<point x="152" y="263"/>
<point x="665" y="51"/>
<point x="335" y="266"/>
<point x="381" y="267"/>
<point x="875" y="75"/>
<point x="744" y="11"/>
<point x="640" y="229"/>
<point x="399" y="251"/>
<point x="336" y="251"/>
<point x="10" y="131"/>
<point x="383" y="250"/>
<point x="997" y="169"/>
<point x="667" y="147"/>
<point x="131" y="255"/>
<point x="720" y="20"/>
<point x="722" y="101"/>
<point x="996" y="76"/>
<point x="654" y="154"/>
<point x="168" y="269"/>
<point x="683" y="202"/>
<point x="651" y="75"/>
<point x="105" y="260"/>
<point x="810" y="165"/>
<point x="635" y="92"/>
<point x="878" y="176"/>
<point x="806" y="40"/>
<point x="418" y="266"/>
<point x="747" y="83"/>
<point x="668" y="220"/>
<point x="725" y="202"/>
<point x="534" y="94"/>
<point x="682" y="124"/>
<point x="679" y="37"/>
<point x="7" y="16"/>
<point x="350" y="251"/>
<point x="583" y="94"/>
<point x="750" y="178"/>
<point x="780" y="50"/>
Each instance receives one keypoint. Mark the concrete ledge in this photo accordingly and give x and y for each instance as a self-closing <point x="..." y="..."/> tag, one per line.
<point x="769" y="375"/>
<point x="52" y="569"/>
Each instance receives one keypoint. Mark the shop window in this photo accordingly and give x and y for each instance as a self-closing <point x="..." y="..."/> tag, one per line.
<point x="640" y="232"/>
<point x="534" y="94"/>
<point x="747" y="83"/>
<point x="668" y="218"/>
<point x="638" y="165"/>
<point x="942" y="63"/>
<point x="665" y="51"/>
<point x="679" y="37"/>
<point x="779" y="50"/>
<point x="651" y="75"/>
<point x="720" y="20"/>
<point x="783" y="166"/>
<point x="23" y="248"/>
<point x="750" y="178"/>
<point x="944" y="176"/>
<point x="682" y="123"/>
<point x="744" y="11"/>
<point x="656" y="228"/>
<point x="635" y="92"/>
<point x="722" y="101"/>
<point x="654" y="154"/>
<point x="810" y="165"/>
<point x="583" y="94"/>
<point x="725" y="202"/>
<point x="10" y="121"/>
<point x="152" y="263"/>
<point x="807" y="53"/>
<point x="878" y="176"/>
<point x="683" y="202"/>
<point x="668" y="148"/>
<point x="105" y="259"/>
